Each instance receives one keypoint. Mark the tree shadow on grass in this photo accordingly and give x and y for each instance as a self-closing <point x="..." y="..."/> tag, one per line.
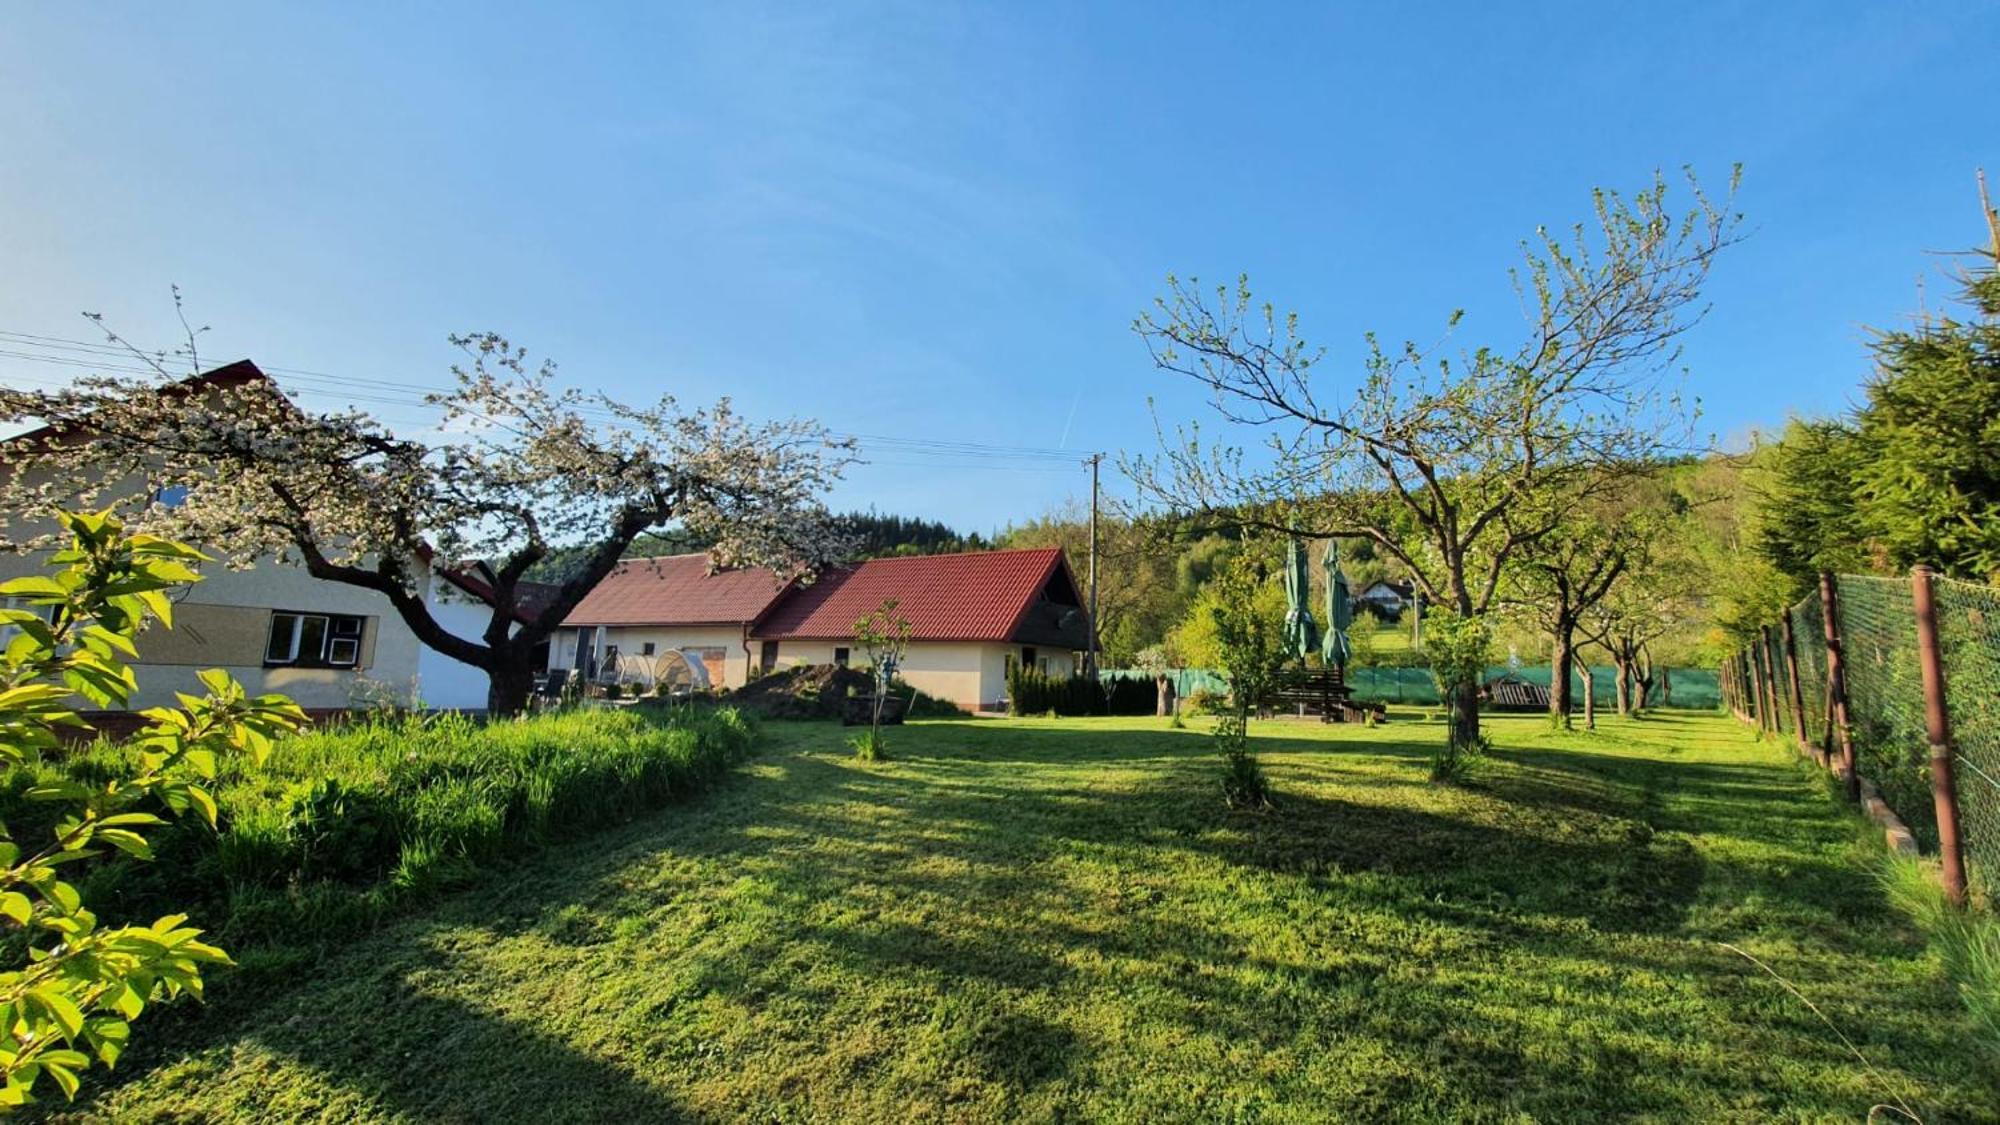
<point x="972" y="910"/>
<point x="381" y="1045"/>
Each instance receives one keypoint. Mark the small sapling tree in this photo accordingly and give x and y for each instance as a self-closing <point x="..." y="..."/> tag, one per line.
<point x="1457" y="647"/>
<point x="885" y="637"/>
<point x="70" y="988"/>
<point x="1251" y="648"/>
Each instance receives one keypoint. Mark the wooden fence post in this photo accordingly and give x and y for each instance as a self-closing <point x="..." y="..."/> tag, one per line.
<point x="1792" y="681"/>
<point x="1757" y="687"/>
<point x="1837" y="731"/>
<point x="1944" y="788"/>
<point x="1769" y="679"/>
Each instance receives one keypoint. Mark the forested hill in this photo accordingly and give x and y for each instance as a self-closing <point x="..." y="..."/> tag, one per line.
<point x="876" y="536"/>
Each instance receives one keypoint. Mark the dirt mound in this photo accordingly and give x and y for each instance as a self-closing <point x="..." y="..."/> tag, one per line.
<point x="805" y="691"/>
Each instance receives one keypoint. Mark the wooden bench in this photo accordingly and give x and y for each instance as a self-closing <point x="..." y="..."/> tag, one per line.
<point x="1324" y="692"/>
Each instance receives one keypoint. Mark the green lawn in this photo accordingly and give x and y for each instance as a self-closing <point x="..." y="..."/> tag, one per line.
<point x="1047" y="919"/>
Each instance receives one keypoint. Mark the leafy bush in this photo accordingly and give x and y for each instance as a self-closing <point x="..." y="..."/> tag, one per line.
<point x="71" y="988"/>
<point x="344" y="824"/>
<point x="869" y="745"/>
<point x="1208" y="702"/>
<point x="1243" y="783"/>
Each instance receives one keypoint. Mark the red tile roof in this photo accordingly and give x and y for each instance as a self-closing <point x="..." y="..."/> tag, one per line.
<point x="979" y="596"/>
<point x="677" y="590"/>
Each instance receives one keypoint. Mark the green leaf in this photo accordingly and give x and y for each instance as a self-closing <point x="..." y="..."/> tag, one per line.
<point x="61" y="1009"/>
<point x="34" y="586"/>
<point x="127" y="841"/>
<point x="15" y="905"/>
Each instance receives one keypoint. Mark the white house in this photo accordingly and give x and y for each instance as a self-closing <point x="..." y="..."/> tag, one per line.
<point x="274" y="627"/>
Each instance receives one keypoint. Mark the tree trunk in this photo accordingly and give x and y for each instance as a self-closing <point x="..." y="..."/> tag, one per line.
<point x="1560" y="696"/>
<point x="1621" y="685"/>
<point x="508" y="685"/>
<point x="1164" y="704"/>
<point x="1642" y="682"/>
<point x="1465" y="714"/>
<point x="1589" y="697"/>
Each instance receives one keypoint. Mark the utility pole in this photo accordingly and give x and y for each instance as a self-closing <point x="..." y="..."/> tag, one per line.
<point x="1090" y="657"/>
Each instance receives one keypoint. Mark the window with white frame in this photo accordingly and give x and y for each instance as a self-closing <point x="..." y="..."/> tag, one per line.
<point x="314" y="640"/>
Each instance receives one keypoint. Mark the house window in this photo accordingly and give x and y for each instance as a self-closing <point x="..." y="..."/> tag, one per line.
<point x="840" y="657"/>
<point x="314" y="640"/>
<point x="767" y="655"/>
<point x="646" y="648"/>
<point x="1029" y="662"/>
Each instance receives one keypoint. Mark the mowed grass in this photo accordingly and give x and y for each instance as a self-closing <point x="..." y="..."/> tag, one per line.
<point x="1056" y="919"/>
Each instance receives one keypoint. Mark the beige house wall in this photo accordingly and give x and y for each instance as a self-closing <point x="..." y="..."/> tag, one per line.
<point x="970" y="674"/>
<point x="224" y="621"/>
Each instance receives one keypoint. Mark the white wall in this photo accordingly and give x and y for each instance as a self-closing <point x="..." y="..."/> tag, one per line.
<point x="444" y="683"/>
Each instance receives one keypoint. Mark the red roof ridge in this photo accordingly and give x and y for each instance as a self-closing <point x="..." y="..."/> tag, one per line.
<point x="954" y="555"/>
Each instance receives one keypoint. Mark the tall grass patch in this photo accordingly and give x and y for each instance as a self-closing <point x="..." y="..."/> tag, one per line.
<point x="343" y="825"/>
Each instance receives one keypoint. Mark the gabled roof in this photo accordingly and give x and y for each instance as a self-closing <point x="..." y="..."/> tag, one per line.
<point x="677" y="590"/>
<point x="476" y="581"/>
<point x="228" y="375"/>
<point x="976" y="596"/>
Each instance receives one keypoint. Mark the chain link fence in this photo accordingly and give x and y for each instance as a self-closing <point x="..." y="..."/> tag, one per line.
<point x="1875" y="621"/>
<point x="1676" y="688"/>
<point x="1969" y="639"/>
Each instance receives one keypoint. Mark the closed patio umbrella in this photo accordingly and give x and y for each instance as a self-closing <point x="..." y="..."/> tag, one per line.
<point x="1301" y="631"/>
<point x="1339" y="610"/>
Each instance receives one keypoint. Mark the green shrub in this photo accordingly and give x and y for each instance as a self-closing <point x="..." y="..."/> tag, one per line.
<point x="870" y="745"/>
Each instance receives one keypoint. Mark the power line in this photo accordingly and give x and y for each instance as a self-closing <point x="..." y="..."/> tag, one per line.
<point x="111" y="358"/>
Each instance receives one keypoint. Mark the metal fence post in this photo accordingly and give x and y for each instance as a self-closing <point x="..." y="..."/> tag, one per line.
<point x="1944" y="788"/>
<point x="1792" y="681"/>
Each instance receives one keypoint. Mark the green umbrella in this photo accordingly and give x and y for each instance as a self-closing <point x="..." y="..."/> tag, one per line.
<point x="1301" y="632"/>
<point x="1339" y="609"/>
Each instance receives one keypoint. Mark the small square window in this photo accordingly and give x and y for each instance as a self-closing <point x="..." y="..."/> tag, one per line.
<point x="840" y="657"/>
<point x="646" y="648"/>
<point x="344" y="652"/>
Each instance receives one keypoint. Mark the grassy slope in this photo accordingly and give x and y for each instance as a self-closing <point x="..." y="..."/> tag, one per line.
<point x="1046" y="918"/>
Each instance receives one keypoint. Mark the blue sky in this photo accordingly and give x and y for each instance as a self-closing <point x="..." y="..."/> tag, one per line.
<point x="939" y="220"/>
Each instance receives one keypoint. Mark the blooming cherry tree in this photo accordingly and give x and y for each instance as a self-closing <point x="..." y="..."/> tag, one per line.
<point x="528" y="467"/>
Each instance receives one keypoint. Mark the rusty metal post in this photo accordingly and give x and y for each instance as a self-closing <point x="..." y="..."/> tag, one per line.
<point x="1944" y="787"/>
<point x="1792" y="681"/>
<point x="1838" y="734"/>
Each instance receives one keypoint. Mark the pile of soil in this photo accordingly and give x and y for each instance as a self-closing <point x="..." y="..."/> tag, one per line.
<point x="805" y="691"/>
